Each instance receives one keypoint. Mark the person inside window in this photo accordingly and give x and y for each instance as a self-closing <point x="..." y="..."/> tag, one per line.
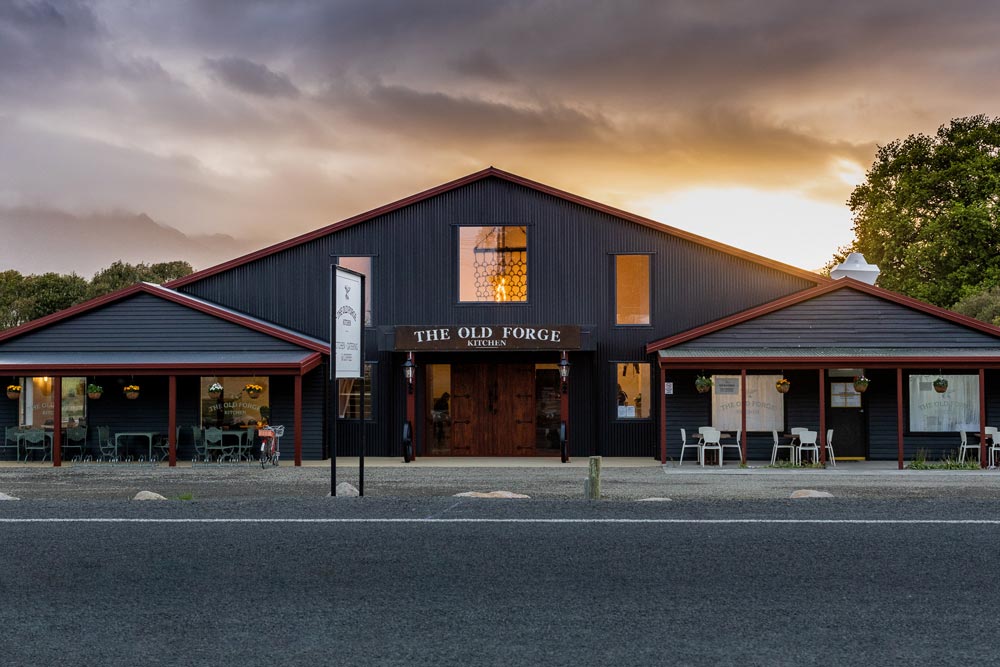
<point x="622" y="396"/>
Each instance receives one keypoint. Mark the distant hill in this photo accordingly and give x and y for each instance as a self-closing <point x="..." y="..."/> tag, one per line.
<point x="35" y="240"/>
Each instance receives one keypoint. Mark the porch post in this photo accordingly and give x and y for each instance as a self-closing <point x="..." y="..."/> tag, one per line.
<point x="411" y="411"/>
<point x="822" y="417"/>
<point x="298" y="420"/>
<point x="899" y="415"/>
<point x="663" y="414"/>
<point x="982" y="417"/>
<point x="172" y="419"/>
<point x="57" y="421"/>
<point x="743" y="414"/>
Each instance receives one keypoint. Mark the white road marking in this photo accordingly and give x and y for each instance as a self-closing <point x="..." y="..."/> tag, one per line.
<point x="903" y="522"/>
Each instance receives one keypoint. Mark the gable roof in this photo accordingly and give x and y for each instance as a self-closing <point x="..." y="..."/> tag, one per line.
<point x="493" y="172"/>
<point x="180" y="298"/>
<point x="843" y="320"/>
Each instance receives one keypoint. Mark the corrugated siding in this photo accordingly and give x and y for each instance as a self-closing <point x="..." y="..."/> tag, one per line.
<point x="145" y="323"/>
<point x="845" y="318"/>
<point x="570" y="260"/>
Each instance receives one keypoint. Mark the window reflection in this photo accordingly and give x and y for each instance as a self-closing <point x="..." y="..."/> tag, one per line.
<point x="493" y="264"/>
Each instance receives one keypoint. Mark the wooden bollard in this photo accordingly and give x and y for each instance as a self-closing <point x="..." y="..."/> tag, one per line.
<point x="594" y="479"/>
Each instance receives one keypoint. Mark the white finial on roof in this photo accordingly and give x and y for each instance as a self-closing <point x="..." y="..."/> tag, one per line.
<point x="856" y="267"/>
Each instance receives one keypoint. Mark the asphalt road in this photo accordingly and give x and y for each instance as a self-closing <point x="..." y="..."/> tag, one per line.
<point x="447" y="581"/>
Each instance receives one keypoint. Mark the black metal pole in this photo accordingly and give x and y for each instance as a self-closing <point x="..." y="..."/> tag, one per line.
<point x="361" y="417"/>
<point x="334" y="394"/>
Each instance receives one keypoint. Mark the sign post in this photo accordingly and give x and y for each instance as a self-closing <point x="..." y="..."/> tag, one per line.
<point x="347" y="354"/>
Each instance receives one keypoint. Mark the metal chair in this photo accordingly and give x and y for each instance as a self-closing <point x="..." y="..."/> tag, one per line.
<point x="736" y="445"/>
<point x="710" y="440"/>
<point x="35" y="441"/>
<point x="829" y="447"/>
<point x="807" y="443"/>
<point x="778" y="445"/>
<point x="11" y="441"/>
<point x="685" y="445"/>
<point x="106" y="445"/>
<point x="965" y="445"/>
<point x="213" y="443"/>
<point x="161" y="445"/>
<point x="994" y="448"/>
<point x="76" y="438"/>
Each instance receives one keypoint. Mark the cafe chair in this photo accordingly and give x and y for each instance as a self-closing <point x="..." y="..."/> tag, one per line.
<point x="685" y="445"/>
<point x="106" y="445"/>
<point x="76" y="438"/>
<point x="213" y="443"/>
<point x="10" y="441"/>
<point x="780" y="445"/>
<point x="161" y="447"/>
<point x="35" y="441"/>
<point x="991" y="436"/>
<point x="736" y="446"/>
<point x="807" y="443"/>
<point x="964" y="445"/>
<point x="710" y="440"/>
<point x="829" y="448"/>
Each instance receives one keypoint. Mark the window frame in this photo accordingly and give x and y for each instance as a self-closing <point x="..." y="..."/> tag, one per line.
<point x="457" y="265"/>
<point x="614" y="401"/>
<point x="372" y="369"/>
<point x="649" y="288"/>
<point x="908" y="429"/>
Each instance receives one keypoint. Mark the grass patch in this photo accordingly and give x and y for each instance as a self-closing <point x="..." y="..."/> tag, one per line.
<point x="796" y="466"/>
<point x="185" y="496"/>
<point x="949" y="462"/>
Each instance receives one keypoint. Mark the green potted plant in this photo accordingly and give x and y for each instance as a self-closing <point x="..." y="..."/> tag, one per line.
<point x="215" y="390"/>
<point x="861" y="384"/>
<point x="940" y="385"/>
<point x="94" y="391"/>
<point x="131" y="391"/>
<point x="703" y="383"/>
<point x="783" y="385"/>
<point x="13" y="391"/>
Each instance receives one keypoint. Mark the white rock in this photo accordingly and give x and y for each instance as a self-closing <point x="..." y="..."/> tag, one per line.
<point x="347" y="490"/>
<point x="148" y="495"/>
<point x="491" y="494"/>
<point x="4" y="496"/>
<point x="653" y="500"/>
<point x="810" y="493"/>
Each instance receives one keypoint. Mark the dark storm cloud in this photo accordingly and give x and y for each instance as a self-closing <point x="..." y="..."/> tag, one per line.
<point x="42" y="41"/>
<point x="250" y="77"/>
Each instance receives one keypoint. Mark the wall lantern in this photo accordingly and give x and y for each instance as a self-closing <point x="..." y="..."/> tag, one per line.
<point x="564" y="370"/>
<point x="409" y="372"/>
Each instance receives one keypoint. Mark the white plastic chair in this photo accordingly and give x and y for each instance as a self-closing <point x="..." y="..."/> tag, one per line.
<point x="807" y="443"/>
<point x="710" y="441"/>
<point x="991" y="433"/>
<point x="964" y="445"/>
<point x="736" y="446"/>
<point x="685" y="445"/>
<point x="778" y="445"/>
<point x="829" y="447"/>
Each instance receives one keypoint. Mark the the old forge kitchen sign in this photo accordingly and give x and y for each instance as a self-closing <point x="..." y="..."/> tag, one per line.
<point x="482" y="337"/>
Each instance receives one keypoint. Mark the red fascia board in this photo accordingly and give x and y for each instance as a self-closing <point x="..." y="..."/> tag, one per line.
<point x="815" y="363"/>
<point x="513" y="178"/>
<point x="812" y="293"/>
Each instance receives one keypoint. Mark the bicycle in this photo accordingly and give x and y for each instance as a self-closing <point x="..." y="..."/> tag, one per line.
<point x="270" y="445"/>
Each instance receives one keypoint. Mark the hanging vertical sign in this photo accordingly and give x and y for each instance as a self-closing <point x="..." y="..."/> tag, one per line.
<point x="347" y="324"/>
<point x="347" y="354"/>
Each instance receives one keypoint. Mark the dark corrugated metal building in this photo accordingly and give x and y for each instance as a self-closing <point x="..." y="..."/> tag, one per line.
<point x="491" y="286"/>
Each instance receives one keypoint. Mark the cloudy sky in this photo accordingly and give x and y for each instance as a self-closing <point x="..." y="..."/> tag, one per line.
<point x="747" y="122"/>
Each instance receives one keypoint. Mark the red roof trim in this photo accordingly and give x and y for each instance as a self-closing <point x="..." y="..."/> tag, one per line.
<point x="169" y="295"/>
<point x="800" y="363"/>
<point x="812" y="293"/>
<point x="513" y="178"/>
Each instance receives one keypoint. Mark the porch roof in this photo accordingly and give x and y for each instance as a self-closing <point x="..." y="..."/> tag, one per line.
<point x="159" y="363"/>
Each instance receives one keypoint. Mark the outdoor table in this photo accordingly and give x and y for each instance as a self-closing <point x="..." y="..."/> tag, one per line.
<point x="149" y="435"/>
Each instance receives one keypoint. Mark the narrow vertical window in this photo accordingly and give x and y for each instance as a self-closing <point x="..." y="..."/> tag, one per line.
<point x="631" y="289"/>
<point x="349" y="396"/>
<point x="632" y="396"/>
<point x="362" y="265"/>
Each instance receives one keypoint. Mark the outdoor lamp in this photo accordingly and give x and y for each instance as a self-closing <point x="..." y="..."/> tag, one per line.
<point x="409" y="371"/>
<point x="564" y="370"/>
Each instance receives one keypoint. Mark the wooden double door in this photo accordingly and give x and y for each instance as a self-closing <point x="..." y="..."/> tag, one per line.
<point x="493" y="409"/>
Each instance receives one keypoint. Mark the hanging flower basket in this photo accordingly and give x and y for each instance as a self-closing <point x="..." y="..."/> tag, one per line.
<point x="215" y="390"/>
<point x="253" y="390"/>
<point x="861" y="384"/>
<point x="782" y="386"/>
<point x="94" y="391"/>
<point x="940" y="385"/>
<point x="13" y="391"/>
<point x="131" y="392"/>
<point x="703" y="384"/>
